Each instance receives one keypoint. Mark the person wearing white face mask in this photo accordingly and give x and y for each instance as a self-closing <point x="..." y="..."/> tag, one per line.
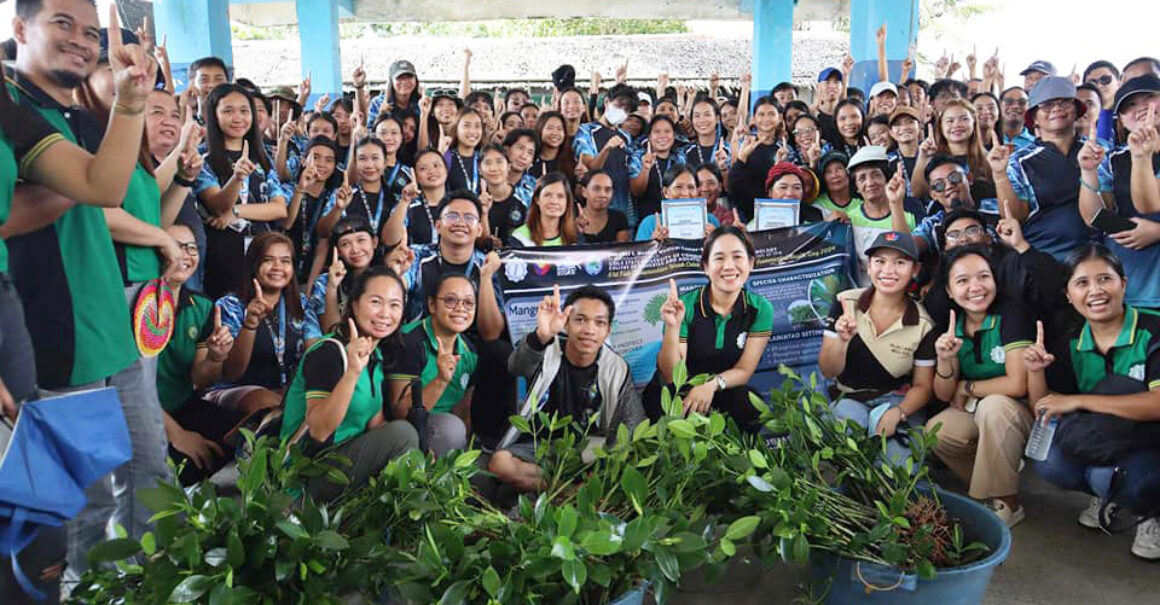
<point x="604" y="145"/>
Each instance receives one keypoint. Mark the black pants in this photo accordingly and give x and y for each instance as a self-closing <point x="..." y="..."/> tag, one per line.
<point x="213" y="423"/>
<point x="732" y="401"/>
<point x="494" y="399"/>
<point x="225" y="257"/>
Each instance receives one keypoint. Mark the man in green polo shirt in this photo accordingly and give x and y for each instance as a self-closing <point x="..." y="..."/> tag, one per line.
<point x="67" y="272"/>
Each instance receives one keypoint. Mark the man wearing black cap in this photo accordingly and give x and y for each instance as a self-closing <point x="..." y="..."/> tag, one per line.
<point x="1036" y="72"/>
<point x="1042" y="180"/>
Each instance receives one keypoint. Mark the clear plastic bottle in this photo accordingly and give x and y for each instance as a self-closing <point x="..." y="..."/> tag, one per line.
<point x="1040" y="440"/>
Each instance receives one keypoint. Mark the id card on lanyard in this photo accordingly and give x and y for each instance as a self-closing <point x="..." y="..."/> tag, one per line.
<point x="278" y="339"/>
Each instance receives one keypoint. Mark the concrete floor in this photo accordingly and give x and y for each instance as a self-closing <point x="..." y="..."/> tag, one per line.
<point x="1053" y="561"/>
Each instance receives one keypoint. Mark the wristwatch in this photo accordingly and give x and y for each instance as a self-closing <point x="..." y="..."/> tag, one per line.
<point x="721" y="385"/>
<point x="236" y="211"/>
<point x="901" y="414"/>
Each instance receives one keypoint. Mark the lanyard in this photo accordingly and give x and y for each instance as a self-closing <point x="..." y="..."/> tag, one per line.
<point x="472" y="178"/>
<point x="279" y="339"/>
<point x="430" y="219"/>
<point x="394" y="173"/>
<point x="362" y="195"/>
<point x="657" y="167"/>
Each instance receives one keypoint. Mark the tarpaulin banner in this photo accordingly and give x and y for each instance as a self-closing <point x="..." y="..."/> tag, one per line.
<point x="800" y="270"/>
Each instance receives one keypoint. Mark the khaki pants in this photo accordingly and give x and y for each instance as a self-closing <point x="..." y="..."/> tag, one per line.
<point x="984" y="449"/>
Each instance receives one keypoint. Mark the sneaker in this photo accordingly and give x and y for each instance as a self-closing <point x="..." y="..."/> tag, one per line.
<point x="1004" y="512"/>
<point x="1090" y="517"/>
<point x="1147" y="542"/>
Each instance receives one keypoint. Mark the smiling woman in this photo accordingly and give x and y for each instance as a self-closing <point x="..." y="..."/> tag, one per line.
<point x="551" y="218"/>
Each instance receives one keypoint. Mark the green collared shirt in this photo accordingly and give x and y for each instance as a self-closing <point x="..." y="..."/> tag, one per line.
<point x="984" y="355"/>
<point x="1134" y="354"/>
<point x="420" y="335"/>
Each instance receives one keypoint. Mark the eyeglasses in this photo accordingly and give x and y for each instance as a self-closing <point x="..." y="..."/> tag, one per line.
<point x="189" y="248"/>
<point x="455" y="217"/>
<point x="804" y="132"/>
<point x="1017" y="102"/>
<point x="1103" y="80"/>
<point x="969" y="233"/>
<point x="954" y="178"/>
<point x="454" y="302"/>
<point x="1053" y="104"/>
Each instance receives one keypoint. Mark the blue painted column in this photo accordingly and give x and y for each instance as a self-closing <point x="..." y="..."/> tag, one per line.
<point x="321" y="57"/>
<point x="772" y="45"/>
<point x="866" y="16"/>
<point x="193" y="29"/>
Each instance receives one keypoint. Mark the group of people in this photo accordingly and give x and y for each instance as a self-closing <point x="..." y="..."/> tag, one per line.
<point x="334" y="269"/>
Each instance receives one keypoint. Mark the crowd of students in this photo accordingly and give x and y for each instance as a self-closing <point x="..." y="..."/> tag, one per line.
<point x="335" y="267"/>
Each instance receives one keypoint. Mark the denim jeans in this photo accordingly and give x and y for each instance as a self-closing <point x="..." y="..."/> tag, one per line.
<point x="113" y="497"/>
<point x="1139" y="487"/>
<point x="859" y="412"/>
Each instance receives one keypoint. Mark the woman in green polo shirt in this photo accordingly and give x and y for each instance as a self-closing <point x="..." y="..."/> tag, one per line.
<point x="449" y="362"/>
<point x="980" y="374"/>
<point x="720" y="329"/>
<point x="551" y="216"/>
<point x="1110" y="369"/>
<point x="346" y="381"/>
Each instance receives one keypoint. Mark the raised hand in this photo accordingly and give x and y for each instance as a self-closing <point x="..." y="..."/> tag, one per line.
<point x="220" y="341"/>
<point x="622" y="73"/>
<point x="662" y="83"/>
<point x="1090" y="156"/>
<point x="941" y="66"/>
<point x="1145" y="141"/>
<point x="358" y="349"/>
<point x="847" y="324"/>
<point x="134" y="71"/>
<point x="304" y="87"/>
<point x="343" y="196"/>
<point x="907" y="65"/>
<point x="880" y="35"/>
<point x="594" y="83"/>
<point x="782" y="154"/>
<point x="288" y="131"/>
<point x="444" y="143"/>
<point x="737" y="222"/>
<point x="929" y="146"/>
<point x="257" y="308"/>
<point x="491" y="264"/>
<point x="550" y="317"/>
<point x="721" y="156"/>
<point x="673" y="310"/>
<point x="998" y="158"/>
<point x="409" y="194"/>
<point x="947" y="345"/>
<point x="244" y="167"/>
<point x="400" y="259"/>
<point x="847" y="65"/>
<point x="896" y="189"/>
<point x="1010" y="229"/>
<point x="613" y="143"/>
<point x="425" y="105"/>
<point x="1035" y="357"/>
<point x="190" y="163"/>
<point x="660" y="231"/>
<point x="309" y="176"/>
<point x="336" y="272"/>
<point x="359" y="76"/>
<point x="145" y="35"/>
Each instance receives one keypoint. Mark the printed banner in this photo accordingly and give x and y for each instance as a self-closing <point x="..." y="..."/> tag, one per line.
<point x="800" y="270"/>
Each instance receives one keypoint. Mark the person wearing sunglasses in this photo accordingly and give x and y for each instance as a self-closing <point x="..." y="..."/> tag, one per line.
<point x="449" y="361"/>
<point x="950" y="190"/>
<point x="1105" y="77"/>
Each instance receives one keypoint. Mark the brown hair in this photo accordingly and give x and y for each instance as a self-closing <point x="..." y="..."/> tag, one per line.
<point x="253" y="260"/>
<point x="976" y="155"/>
<point x="569" y="234"/>
<point x="463" y="113"/>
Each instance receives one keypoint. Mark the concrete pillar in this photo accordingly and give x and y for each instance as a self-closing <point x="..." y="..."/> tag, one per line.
<point x="772" y="45"/>
<point x="193" y="29"/>
<point x="321" y="58"/>
<point x="866" y="16"/>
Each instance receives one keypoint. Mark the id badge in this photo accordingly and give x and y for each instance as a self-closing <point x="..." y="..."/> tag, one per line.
<point x="246" y="241"/>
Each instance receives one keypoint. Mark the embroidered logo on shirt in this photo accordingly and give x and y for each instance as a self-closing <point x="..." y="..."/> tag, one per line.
<point x="192" y="332"/>
<point x="1137" y="371"/>
<point x="463" y="381"/>
<point x="998" y="355"/>
<point x="741" y="340"/>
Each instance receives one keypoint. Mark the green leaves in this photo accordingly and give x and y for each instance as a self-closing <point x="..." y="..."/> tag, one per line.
<point x="190" y="589"/>
<point x="292" y="530"/>
<point x="330" y="540"/>
<point x="741" y="528"/>
<point x="114" y="550"/>
<point x="575" y="574"/>
<point x="634" y="486"/>
<point x="682" y="428"/>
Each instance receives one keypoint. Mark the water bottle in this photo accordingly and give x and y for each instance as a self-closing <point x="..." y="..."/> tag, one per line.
<point x="1040" y="440"/>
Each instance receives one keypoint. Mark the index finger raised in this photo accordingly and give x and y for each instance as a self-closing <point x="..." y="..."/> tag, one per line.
<point x="217" y="317"/>
<point x="1039" y="333"/>
<point x="114" y="27"/>
<point x="673" y="289"/>
<point x="353" y="327"/>
<point x="245" y="149"/>
<point x="951" y="324"/>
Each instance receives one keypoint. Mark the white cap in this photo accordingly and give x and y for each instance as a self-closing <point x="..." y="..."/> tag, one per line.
<point x="866" y="155"/>
<point x="881" y="87"/>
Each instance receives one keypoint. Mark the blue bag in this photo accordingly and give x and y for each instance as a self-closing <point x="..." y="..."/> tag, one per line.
<point x="59" y="447"/>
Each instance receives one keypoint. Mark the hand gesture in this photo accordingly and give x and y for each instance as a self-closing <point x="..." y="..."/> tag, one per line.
<point x="947" y="345"/>
<point x="847" y="65"/>
<point x="309" y="176"/>
<point x="1090" y="156"/>
<point x="190" y="163"/>
<point x="880" y="35"/>
<point x="737" y="222"/>
<point x="145" y="35"/>
<point x="954" y="67"/>
<point x="358" y="130"/>
<point x="257" y="308"/>
<point x="1145" y="233"/>
<point x="409" y="194"/>
<point x="400" y="259"/>
<point x="171" y="258"/>
<point x="673" y="309"/>
<point x="304" y="87"/>
<point x="941" y="66"/>
<point x="622" y="73"/>
<point x="134" y="71"/>
<point x="746" y="81"/>
<point x="1035" y="357"/>
<point x="888" y="423"/>
<point x="288" y="131"/>
<point x="1011" y="230"/>
<point x="907" y="66"/>
<point x="244" y="167"/>
<point x="491" y="264"/>
<point x="582" y="220"/>
<point x="358" y="349"/>
<point x="929" y="147"/>
<point x="359" y="76"/>
<point x="197" y="448"/>
<point x="700" y="398"/>
<point x="662" y="83"/>
<point x="444" y="143"/>
<point x="714" y="81"/>
<point x="896" y="189"/>
<point x="998" y="158"/>
<point x="721" y="156"/>
<point x="550" y="317"/>
<point x="847" y="324"/>
<point x="467" y="54"/>
<point x="613" y="143"/>
<point x="343" y="196"/>
<point x="425" y="106"/>
<point x="782" y="154"/>
<point x="1145" y="141"/>
<point x="220" y="341"/>
<point x="647" y="161"/>
<point x="972" y="60"/>
<point x="321" y="104"/>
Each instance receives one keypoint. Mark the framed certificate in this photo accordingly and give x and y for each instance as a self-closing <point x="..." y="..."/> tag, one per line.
<point x="685" y="219"/>
<point x="775" y="214"/>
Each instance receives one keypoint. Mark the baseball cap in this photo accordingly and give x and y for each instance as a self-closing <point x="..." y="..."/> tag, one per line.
<point x="894" y="240"/>
<point x="1145" y="84"/>
<point x="285" y="93"/>
<point x="827" y="72"/>
<point x="869" y="154"/>
<point x="881" y="87"/>
<point x="904" y="110"/>
<point x="832" y="156"/>
<point x="402" y="67"/>
<point x="564" y="77"/>
<point x="1039" y="66"/>
<point x="1051" y="87"/>
<point x="644" y="97"/>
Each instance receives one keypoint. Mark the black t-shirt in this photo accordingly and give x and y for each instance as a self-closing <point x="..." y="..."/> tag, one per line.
<point x="575" y="392"/>
<point x="462" y="172"/>
<point x="374" y="208"/>
<point x="542" y="167"/>
<point x="506" y="216"/>
<point x="617" y="222"/>
<point x="421" y="222"/>
<point x="302" y="231"/>
<point x="650" y="202"/>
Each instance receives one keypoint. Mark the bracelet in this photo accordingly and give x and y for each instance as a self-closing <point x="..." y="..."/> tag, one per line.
<point x="126" y="110"/>
<point x="177" y="178"/>
<point x="1088" y="186"/>
<point x="941" y="375"/>
<point x="246" y="326"/>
